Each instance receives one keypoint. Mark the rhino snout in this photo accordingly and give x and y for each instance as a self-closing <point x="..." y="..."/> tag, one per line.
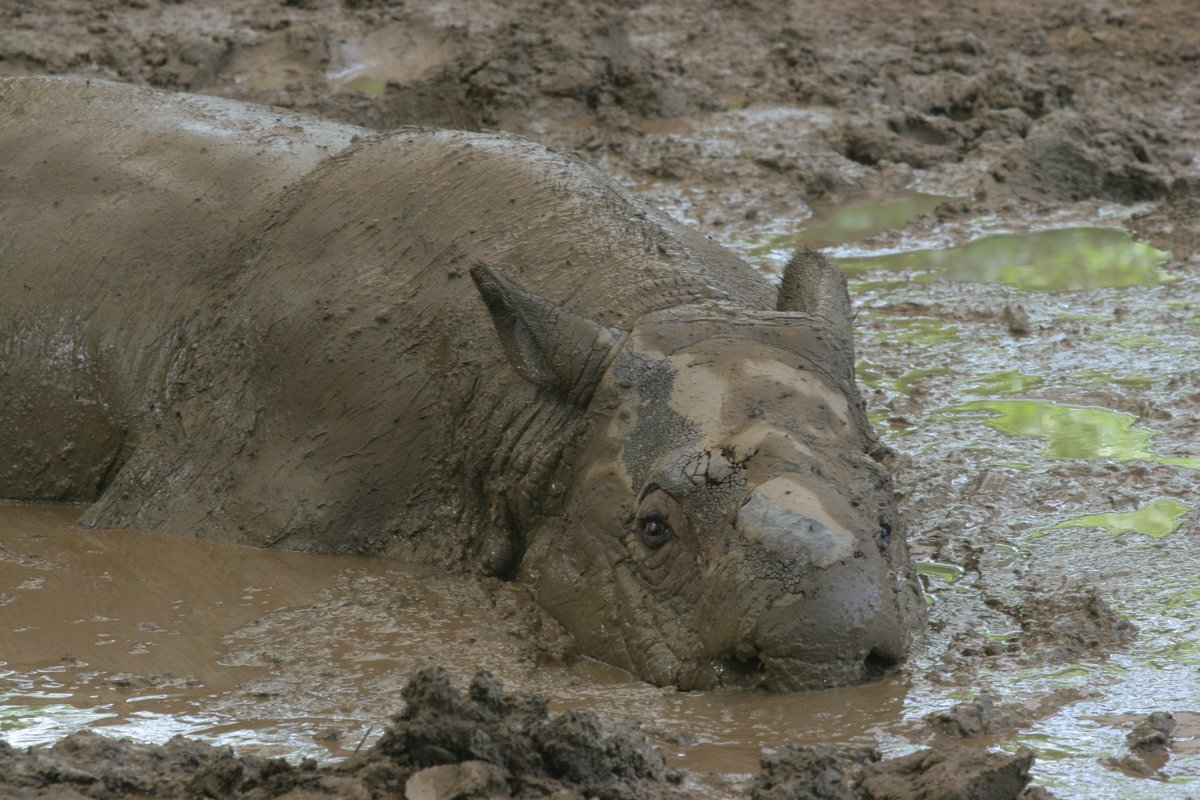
<point x="835" y="618"/>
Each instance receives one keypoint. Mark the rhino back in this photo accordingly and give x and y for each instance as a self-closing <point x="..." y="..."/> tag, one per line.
<point x="358" y="364"/>
<point x="327" y="376"/>
<point x="117" y="204"/>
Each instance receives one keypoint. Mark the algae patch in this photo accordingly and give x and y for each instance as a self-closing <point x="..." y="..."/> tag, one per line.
<point x="921" y="330"/>
<point x="948" y="573"/>
<point x="1156" y="519"/>
<point x="1076" y="433"/>
<point x="851" y="223"/>
<point x="1050" y="261"/>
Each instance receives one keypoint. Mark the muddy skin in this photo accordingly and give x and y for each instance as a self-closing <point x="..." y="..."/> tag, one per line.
<point x="743" y="119"/>
<point x="683" y="478"/>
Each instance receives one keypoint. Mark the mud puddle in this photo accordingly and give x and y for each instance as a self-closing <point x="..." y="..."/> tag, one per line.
<point x="1045" y="444"/>
<point x="149" y="635"/>
<point x="1055" y="260"/>
<point x="1039" y="387"/>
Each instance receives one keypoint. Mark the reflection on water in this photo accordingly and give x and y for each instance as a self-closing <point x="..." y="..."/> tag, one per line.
<point x="1156" y="519"/>
<point x="1057" y="260"/>
<point x="835" y="225"/>
<point x="1075" y="432"/>
<point x="863" y="220"/>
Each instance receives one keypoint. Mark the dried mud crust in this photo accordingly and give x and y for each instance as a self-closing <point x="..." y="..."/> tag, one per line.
<point x="487" y="744"/>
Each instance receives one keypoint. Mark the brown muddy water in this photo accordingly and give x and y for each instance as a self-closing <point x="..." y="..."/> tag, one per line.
<point x="148" y="635"/>
<point x="1046" y="439"/>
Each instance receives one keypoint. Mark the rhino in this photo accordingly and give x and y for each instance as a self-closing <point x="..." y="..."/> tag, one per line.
<point x="462" y="348"/>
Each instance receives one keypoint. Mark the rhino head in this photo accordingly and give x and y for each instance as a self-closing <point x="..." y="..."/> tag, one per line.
<point x="720" y="518"/>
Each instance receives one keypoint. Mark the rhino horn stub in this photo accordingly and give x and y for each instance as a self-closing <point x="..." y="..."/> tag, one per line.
<point x="547" y="344"/>
<point x="813" y="285"/>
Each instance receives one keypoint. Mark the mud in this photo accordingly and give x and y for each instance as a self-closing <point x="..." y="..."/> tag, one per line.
<point x="485" y="744"/>
<point x="752" y="121"/>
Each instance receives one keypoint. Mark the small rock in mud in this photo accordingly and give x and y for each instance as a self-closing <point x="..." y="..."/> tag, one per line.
<point x="983" y="716"/>
<point x="468" y="779"/>
<point x="812" y="772"/>
<point x="1153" y="734"/>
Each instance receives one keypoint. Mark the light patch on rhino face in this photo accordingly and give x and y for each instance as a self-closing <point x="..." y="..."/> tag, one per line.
<point x="703" y="388"/>
<point x="784" y="514"/>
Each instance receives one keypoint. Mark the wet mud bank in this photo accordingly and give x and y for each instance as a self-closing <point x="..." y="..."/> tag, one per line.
<point x="1012" y="192"/>
<point x="484" y="743"/>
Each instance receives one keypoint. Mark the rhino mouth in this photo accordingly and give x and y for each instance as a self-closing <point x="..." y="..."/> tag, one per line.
<point x="796" y="673"/>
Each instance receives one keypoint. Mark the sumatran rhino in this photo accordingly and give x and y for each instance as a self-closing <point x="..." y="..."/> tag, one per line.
<point x="234" y="322"/>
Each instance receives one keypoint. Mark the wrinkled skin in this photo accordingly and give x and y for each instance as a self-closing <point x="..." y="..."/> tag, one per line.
<point x="230" y="322"/>
<point x="722" y="504"/>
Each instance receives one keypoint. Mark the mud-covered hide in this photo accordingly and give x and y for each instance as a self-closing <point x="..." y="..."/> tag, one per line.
<point x="229" y="321"/>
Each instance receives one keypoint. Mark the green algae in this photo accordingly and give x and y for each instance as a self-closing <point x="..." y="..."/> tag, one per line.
<point x="869" y="373"/>
<point x="922" y="330"/>
<point x="1156" y="519"/>
<point x="1008" y="382"/>
<point x="852" y="222"/>
<point x="1075" y="433"/>
<point x="1050" y="261"/>
<point x="1134" y="341"/>
<point x="948" y="573"/>
<point x="1127" y="381"/>
<point x="364" y="84"/>
<point x="863" y="220"/>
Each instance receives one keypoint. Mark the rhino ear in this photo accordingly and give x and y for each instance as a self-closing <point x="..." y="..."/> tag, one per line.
<point x="547" y="344"/>
<point x="813" y="285"/>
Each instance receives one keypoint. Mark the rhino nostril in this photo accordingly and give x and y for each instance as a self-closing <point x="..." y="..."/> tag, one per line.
<point x="743" y="672"/>
<point x="877" y="663"/>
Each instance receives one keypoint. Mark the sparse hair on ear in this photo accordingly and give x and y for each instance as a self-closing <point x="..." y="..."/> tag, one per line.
<point x="811" y="284"/>
<point x="548" y="345"/>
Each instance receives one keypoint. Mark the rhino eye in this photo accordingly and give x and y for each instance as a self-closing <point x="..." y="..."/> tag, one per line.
<point x="885" y="532"/>
<point x="654" y="531"/>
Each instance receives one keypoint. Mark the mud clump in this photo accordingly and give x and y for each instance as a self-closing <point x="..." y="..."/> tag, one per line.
<point x="444" y="744"/>
<point x="1073" y="158"/>
<point x="983" y="716"/>
<point x="87" y="765"/>
<point x="819" y="772"/>
<point x="1153" y="734"/>
<point x="824" y="772"/>
<point x="534" y="754"/>
<point x="487" y="744"/>
<point x="1067" y="625"/>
